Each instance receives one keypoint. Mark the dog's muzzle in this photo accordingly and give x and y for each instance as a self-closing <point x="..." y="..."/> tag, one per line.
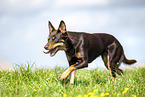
<point x="53" y="48"/>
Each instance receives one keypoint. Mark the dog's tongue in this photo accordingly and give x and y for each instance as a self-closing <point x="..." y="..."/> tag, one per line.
<point x="53" y="51"/>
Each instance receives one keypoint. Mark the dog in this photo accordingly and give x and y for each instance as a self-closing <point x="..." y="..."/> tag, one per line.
<point x="82" y="48"/>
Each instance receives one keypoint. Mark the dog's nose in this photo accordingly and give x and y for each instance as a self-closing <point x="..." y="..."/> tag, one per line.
<point x="46" y="47"/>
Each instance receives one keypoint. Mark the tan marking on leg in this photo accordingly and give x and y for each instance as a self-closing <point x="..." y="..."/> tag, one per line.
<point x="72" y="77"/>
<point x="67" y="72"/>
<point x="78" y="55"/>
<point x="110" y="69"/>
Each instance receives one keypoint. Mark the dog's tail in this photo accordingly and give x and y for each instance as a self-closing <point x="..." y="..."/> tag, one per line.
<point x="129" y="62"/>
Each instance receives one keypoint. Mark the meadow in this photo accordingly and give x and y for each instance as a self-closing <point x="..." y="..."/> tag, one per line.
<point x="24" y="81"/>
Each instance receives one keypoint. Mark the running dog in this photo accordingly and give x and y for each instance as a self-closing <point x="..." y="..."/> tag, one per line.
<point x="82" y="48"/>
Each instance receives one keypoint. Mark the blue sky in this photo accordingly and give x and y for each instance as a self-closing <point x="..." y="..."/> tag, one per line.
<point x="24" y="27"/>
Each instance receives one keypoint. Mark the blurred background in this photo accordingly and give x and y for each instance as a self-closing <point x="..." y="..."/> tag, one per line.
<point x="24" y="28"/>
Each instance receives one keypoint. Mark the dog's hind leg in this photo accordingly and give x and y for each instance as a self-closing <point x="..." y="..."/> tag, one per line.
<point x="119" y="72"/>
<point x="112" y="73"/>
<point x="114" y="53"/>
<point x="116" y="57"/>
<point x="106" y="60"/>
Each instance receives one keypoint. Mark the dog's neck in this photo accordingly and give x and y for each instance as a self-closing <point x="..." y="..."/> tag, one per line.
<point x="70" y="47"/>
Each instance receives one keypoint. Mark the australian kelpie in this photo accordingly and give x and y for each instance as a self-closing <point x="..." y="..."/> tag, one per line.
<point x="82" y="48"/>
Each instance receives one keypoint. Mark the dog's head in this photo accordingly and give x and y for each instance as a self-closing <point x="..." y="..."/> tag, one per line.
<point x="56" y="39"/>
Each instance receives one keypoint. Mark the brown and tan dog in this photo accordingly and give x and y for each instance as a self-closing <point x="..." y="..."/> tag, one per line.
<point x="82" y="48"/>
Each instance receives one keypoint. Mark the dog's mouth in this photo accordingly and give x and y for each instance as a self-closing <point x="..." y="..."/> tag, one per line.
<point x="53" y="48"/>
<point x="52" y="51"/>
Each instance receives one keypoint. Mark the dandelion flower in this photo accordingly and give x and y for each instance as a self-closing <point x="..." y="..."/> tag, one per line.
<point x="86" y="95"/>
<point x="79" y="96"/>
<point x="96" y="90"/>
<point x="64" y="95"/>
<point x="106" y="93"/>
<point x="91" y="93"/>
<point x="93" y="96"/>
<point x="126" y="89"/>
<point x="96" y="96"/>
<point x="102" y="94"/>
<point x="134" y="95"/>
<point x="35" y="90"/>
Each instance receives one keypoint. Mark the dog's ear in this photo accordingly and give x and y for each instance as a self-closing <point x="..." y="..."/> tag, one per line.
<point x="51" y="28"/>
<point x="62" y="28"/>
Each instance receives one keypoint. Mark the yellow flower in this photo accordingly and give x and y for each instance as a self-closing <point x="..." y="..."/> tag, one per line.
<point x="64" y="95"/>
<point x="91" y="93"/>
<point x="96" y="90"/>
<point x="86" y="95"/>
<point x="134" y="95"/>
<point x="126" y="89"/>
<point x="102" y="94"/>
<point x="93" y="96"/>
<point x="106" y="93"/>
<point x="96" y="96"/>
<point x="79" y="96"/>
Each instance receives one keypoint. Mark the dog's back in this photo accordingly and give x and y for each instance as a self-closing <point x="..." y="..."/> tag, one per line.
<point x="95" y="44"/>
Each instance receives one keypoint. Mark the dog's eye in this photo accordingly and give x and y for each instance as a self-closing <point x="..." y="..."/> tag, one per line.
<point x="53" y="38"/>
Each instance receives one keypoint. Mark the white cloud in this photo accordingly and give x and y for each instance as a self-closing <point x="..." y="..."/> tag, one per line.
<point x="80" y="3"/>
<point x="78" y="20"/>
<point x="4" y="20"/>
<point x="19" y="6"/>
<point x="75" y="20"/>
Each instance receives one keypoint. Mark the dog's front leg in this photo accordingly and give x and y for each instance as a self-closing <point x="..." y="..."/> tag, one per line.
<point x="82" y="64"/>
<point x="72" y="77"/>
<point x="67" y="72"/>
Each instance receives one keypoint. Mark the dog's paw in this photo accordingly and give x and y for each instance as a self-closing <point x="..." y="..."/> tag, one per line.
<point x="113" y="79"/>
<point x="61" y="79"/>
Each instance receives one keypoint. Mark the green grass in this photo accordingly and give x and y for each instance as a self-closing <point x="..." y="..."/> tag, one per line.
<point x="25" y="81"/>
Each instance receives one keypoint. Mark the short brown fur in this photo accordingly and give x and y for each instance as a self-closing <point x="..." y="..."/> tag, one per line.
<point x="82" y="48"/>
